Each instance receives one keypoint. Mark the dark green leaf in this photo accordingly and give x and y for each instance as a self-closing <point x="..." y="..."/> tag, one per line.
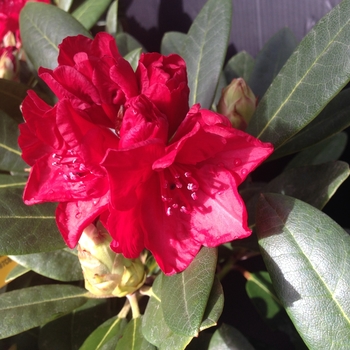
<point x="239" y="66"/>
<point x="172" y="42"/>
<point x="26" y="229"/>
<point x="205" y="49"/>
<point x="187" y="294"/>
<point x="112" y="18"/>
<point x="132" y="338"/>
<point x="126" y="43"/>
<point x="90" y="11"/>
<point x="270" y="60"/>
<point x="308" y="257"/>
<point x="7" y="181"/>
<point x="42" y="28"/>
<point x="325" y="151"/>
<point x="16" y="272"/>
<point x="229" y="338"/>
<point x="31" y="307"/>
<point x="313" y="184"/>
<point x="133" y="57"/>
<point x="61" y="265"/>
<point x="10" y="154"/>
<point x="333" y="119"/>
<point x="313" y="75"/>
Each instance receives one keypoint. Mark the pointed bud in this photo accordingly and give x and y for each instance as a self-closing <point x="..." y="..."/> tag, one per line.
<point x="7" y="65"/>
<point x="107" y="273"/>
<point x="238" y="103"/>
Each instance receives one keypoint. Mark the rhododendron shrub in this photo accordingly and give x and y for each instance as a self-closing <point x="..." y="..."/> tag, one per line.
<point x="124" y="147"/>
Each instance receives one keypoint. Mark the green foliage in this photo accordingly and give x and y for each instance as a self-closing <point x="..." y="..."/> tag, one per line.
<point x="173" y="42"/>
<point x="239" y="66"/>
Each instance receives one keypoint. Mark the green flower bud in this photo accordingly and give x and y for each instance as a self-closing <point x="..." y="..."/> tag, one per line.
<point x="238" y="103"/>
<point x="107" y="273"/>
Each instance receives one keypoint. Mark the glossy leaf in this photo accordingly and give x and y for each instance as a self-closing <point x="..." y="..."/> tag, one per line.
<point x="16" y="272"/>
<point x="90" y="11"/>
<point x="126" y="43"/>
<point x="229" y="338"/>
<point x="10" y="154"/>
<point x="308" y="257"/>
<point x="333" y="119"/>
<point x="133" y="57"/>
<point x="205" y="49"/>
<point x="37" y="305"/>
<point x="132" y="338"/>
<point x="313" y="75"/>
<point x="239" y="66"/>
<point x="64" y="4"/>
<point x="172" y="42"/>
<point x="270" y="60"/>
<point x="112" y="18"/>
<point x="40" y="40"/>
<point x="313" y="184"/>
<point x="187" y="294"/>
<point x="324" y="151"/>
<point x="155" y="329"/>
<point x="61" y="265"/>
<point x="110" y="330"/>
<point x="26" y="229"/>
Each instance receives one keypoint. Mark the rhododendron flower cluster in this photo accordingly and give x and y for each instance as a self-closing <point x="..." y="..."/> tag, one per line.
<point x="124" y="147"/>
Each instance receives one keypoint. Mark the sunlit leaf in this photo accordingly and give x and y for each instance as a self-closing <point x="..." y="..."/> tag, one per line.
<point x="112" y="18"/>
<point x="64" y="4"/>
<point x="16" y="272"/>
<point x="133" y="57"/>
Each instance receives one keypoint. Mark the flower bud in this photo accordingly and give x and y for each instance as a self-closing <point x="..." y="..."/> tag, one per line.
<point x="238" y="103"/>
<point x="7" y="65"/>
<point x="107" y="273"/>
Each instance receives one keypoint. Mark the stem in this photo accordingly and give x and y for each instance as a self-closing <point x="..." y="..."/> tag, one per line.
<point x="125" y="310"/>
<point x="134" y="305"/>
<point x="226" y="268"/>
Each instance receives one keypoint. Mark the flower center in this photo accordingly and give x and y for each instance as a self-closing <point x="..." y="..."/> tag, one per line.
<point x="178" y="190"/>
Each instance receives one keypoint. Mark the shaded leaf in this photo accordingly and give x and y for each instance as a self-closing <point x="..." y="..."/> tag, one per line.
<point x="133" y="57"/>
<point x="270" y="60"/>
<point x="126" y="43"/>
<point x="205" y="49"/>
<point x="172" y="42"/>
<point x="187" y="293"/>
<point x="61" y="265"/>
<point x="26" y="229"/>
<point x="239" y="66"/>
<point x="307" y="255"/>
<point x="36" y="306"/>
<point x="90" y="11"/>
<point x="7" y="181"/>
<point x="313" y="75"/>
<point x="39" y="39"/>
<point x="112" y="18"/>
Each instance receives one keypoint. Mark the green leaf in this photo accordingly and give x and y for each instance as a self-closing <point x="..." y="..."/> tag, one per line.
<point x="187" y="294"/>
<point x="133" y="57"/>
<point x="40" y="40"/>
<point x="126" y="43"/>
<point x="325" y="151"/>
<point x="239" y="66"/>
<point x="7" y="181"/>
<point x="112" y="18"/>
<point x="132" y="338"/>
<point x="31" y="307"/>
<point x="65" y="5"/>
<point x="172" y="42"/>
<point x="205" y="49"/>
<point x="306" y="184"/>
<point x="229" y="338"/>
<point x="110" y="330"/>
<point x="313" y="75"/>
<point x="90" y="11"/>
<point x="61" y="265"/>
<point x="16" y="272"/>
<point x="26" y="229"/>
<point x="270" y="60"/>
<point x="308" y="257"/>
<point x="155" y="329"/>
<point x="333" y="119"/>
<point x="10" y="154"/>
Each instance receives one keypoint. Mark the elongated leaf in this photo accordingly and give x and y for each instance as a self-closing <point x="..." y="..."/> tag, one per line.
<point x="325" y="151"/>
<point x="31" y="307"/>
<point x="205" y="50"/>
<point x="270" y="60"/>
<point x="239" y="66"/>
<point x="10" y="154"/>
<point x="64" y="4"/>
<point x="61" y="265"/>
<point x="26" y="229"/>
<point x="112" y="18"/>
<point x="90" y="11"/>
<point x="7" y="181"/>
<point x="229" y="338"/>
<point x="308" y="257"/>
<point x="333" y="119"/>
<point x="187" y="294"/>
<point x="133" y="57"/>
<point x="312" y="76"/>
<point x="16" y="272"/>
<point x="172" y="42"/>
<point x="39" y="39"/>
<point x="126" y="43"/>
<point x="109" y="330"/>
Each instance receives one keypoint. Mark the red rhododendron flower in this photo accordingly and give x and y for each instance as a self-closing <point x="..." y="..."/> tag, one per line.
<point x="123" y="147"/>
